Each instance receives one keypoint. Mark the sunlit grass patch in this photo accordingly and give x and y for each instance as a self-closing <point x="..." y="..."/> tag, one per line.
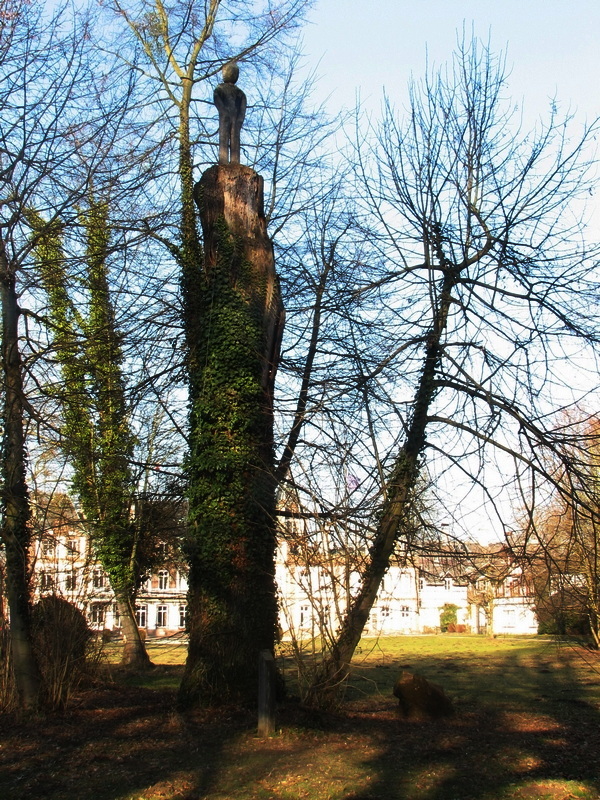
<point x="546" y="790"/>
<point x="161" y="651"/>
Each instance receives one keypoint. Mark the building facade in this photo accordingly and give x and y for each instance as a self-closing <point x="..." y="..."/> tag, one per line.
<point x="64" y="564"/>
<point x="414" y="598"/>
<point x="480" y="593"/>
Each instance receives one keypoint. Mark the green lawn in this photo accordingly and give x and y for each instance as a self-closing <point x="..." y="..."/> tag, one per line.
<point x="500" y="672"/>
<point x="479" y="670"/>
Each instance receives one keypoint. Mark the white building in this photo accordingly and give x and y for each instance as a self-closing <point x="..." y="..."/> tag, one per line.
<point x="485" y="593"/>
<point x="413" y="599"/>
<point x="65" y="565"/>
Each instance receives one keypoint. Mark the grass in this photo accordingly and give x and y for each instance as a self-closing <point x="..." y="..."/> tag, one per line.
<point x="499" y="672"/>
<point x="527" y="727"/>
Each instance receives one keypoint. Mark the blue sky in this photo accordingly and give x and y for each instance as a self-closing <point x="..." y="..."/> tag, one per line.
<point x="552" y="46"/>
<point x="552" y="49"/>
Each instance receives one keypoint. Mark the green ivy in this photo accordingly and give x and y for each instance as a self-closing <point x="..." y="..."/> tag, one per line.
<point x="231" y="491"/>
<point x="448" y="616"/>
<point x="95" y="434"/>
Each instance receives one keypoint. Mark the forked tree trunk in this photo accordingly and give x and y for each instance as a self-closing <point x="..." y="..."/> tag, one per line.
<point x="233" y="339"/>
<point x="15" y="501"/>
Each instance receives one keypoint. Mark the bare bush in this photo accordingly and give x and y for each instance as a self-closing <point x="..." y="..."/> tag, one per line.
<point x="65" y="649"/>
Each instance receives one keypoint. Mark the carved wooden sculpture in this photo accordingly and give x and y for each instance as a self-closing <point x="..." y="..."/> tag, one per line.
<point x="231" y="104"/>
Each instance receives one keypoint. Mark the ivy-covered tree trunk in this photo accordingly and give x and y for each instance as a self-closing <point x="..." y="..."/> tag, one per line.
<point x="234" y="321"/>
<point x="96" y="435"/>
<point x="15" y="509"/>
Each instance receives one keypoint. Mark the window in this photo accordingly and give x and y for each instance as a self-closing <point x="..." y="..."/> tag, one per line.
<point x="385" y="611"/>
<point x="404" y="611"/>
<point x="448" y="584"/>
<point x="46" y="580"/>
<point x="98" y="579"/>
<point x="421" y="584"/>
<point x="97" y="614"/>
<point x="141" y="614"/>
<point x="73" y="546"/>
<point x="163" y="579"/>
<point x="304" y="616"/>
<point x="71" y="581"/>
<point x="161" y="616"/>
<point x="515" y="588"/>
<point x="116" y="615"/>
<point x="182" y="616"/>
<point x="48" y="549"/>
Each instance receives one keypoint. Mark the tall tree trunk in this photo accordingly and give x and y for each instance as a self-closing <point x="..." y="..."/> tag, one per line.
<point x="233" y="351"/>
<point x="15" y="499"/>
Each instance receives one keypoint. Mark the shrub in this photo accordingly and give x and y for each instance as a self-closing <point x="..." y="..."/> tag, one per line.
<point x="563" y="623"/>
<point x="64" y="648"/>
<point x="448" y="617"/>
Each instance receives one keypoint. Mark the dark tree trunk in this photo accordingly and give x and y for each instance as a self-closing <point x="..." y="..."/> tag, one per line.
<point x="233" y="353"/>
<point x="15" y="498"/>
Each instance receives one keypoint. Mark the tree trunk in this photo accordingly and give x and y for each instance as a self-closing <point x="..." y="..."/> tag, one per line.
<point x="134" y="651"/>
<point x="15" y="500"/>
<point x="400" y="485"/>
<point x="334" y="671"/>
<point x="233" y="351"/>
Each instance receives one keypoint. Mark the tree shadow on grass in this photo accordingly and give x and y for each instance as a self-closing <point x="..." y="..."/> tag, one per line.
<point x="534" y="734"/>
<point x="114" y="743"/>
<point x="525" y="722"/>
<point x="129" y="743"/>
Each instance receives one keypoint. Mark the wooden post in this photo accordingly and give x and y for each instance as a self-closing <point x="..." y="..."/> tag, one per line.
<point x="266" y="693"/>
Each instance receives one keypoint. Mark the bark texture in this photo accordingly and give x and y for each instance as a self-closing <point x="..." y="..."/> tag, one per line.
<point x="234" y="194"/>
<point x="134" y="653"/>
<point x="15" y="498"/>
<point x="234" y="321"/>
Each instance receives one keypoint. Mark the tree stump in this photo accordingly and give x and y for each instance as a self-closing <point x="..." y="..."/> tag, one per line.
<point x="235" y="194"/>
<point x="421" y="699"/>
<point x="234" y="324"/>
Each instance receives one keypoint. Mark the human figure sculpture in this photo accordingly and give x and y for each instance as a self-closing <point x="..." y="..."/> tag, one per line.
<point x="230" y="101"/>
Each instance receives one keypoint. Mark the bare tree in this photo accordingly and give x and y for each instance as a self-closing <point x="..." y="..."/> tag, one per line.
<point x="558" y="532"/>
<point x="179" y="49"/>
<point x="59" y="119"/>
<point x="175" y="50"/>
<point x="36" y="84"/>
<point x="486" y="281"/>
